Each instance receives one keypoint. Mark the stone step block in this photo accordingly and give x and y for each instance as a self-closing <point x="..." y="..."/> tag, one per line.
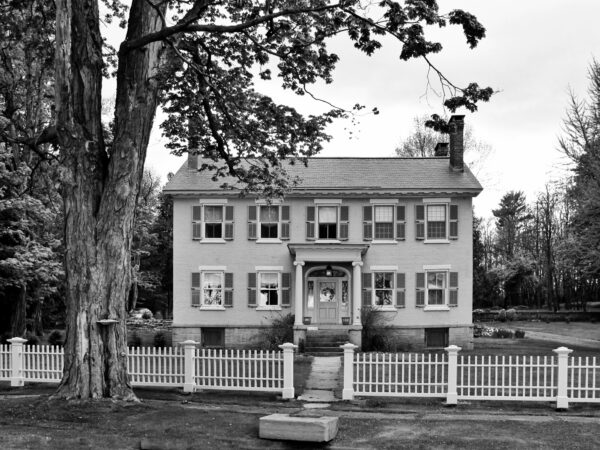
<point x="293" y="428"/>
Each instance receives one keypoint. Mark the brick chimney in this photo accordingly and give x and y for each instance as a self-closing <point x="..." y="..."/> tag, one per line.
<point x="457" y="145"/>
<point x="441" y="149"/>
<point x="192" y="161"/>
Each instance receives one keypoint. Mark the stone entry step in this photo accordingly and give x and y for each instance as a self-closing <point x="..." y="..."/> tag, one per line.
<point x="324" y="377"/>
<point x="325" y="342"/>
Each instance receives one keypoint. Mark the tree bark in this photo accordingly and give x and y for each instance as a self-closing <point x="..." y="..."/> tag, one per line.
<point x="100" y="190"/>
<point x="18" y="322"/>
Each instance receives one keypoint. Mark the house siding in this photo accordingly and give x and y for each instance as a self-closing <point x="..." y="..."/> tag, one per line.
<point x="241" y="255"/>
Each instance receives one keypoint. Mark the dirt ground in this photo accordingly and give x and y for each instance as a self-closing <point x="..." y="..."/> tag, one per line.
<point x="170" y="420"/>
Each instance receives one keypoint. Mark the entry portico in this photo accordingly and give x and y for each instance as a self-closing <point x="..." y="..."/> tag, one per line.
<point x="327" y="286"/>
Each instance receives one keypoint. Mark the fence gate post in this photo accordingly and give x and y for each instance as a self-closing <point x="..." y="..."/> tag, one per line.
<point x="189" y="365"/>
<point x="348" y="392"/>
<point x="562" y="400"/>
<point x="288" y="370"/>
<point x="17" y="377"/>
<point x="452" y="394"/>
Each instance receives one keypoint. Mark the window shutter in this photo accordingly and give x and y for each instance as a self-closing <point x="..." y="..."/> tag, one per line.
<point x="367" y="223"/>
<point x="420" y="221"/>
<point x="343" y="223"/>
<point x="229" y="223"/>
<point x="286" y="279"/>
<point x="400" y="290"/>
<point x="252" y="289"/>
<point x="285" y="222"/>
<point x="196" y="291"/>
<point x="197" y="222"/>
<point x="420" y="289"/>
<point x="366" y="289"/>
<point x="400" y="223"/>
<point x="453" y="222"/>
<point x="310" y="223"/>
<point x="228" y="290"/>
<point x="453" y="289"/>
<point x="252" y="227"/>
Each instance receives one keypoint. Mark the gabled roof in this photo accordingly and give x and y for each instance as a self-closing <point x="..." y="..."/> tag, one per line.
<point x="351" y="175"/>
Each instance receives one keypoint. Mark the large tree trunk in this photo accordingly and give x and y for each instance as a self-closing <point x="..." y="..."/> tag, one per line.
<point x="100" y="188"/>
<point x="18" y="321"/>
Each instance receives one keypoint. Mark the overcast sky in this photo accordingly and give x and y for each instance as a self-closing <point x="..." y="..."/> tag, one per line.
<point x="534" y="52"/>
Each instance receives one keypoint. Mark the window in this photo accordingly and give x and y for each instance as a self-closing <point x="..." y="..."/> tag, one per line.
<point x="269" y="222"/>
<point x="212" y="288"/>
<point x="384" y="222"/>
<point x="436" y="288"/>
<point x="213" y="221"/>
<point x="436" y="222"/>
<point x="213" y="337"/>
<point x="384" y="288"/>
<point x="327" y="218"/>
<point x="436" y="337"/>
<point x="269" y="289"/>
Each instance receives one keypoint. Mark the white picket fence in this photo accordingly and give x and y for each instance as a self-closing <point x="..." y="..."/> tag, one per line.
<point x="559" y="378"/>
<point x="187" y="366"/>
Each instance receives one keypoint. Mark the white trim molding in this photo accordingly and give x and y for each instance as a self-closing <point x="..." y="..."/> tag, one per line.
<point x="263" y="202"/>
<point x="213" y="201"/>
<point x="383" y="268"/>
<point x="384" y="201"/>
<point x="437" y="267"/>
<point x="436" y="200"/>
<point x="212" y="268"/>
<point x="268" y="268"/>
<point x="328" y="201"/>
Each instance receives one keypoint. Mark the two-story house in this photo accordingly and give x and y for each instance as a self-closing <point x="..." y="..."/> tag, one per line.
<point x="394" y="234"/>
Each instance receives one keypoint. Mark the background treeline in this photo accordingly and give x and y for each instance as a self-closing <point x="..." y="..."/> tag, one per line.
<point x="545" y="251"/>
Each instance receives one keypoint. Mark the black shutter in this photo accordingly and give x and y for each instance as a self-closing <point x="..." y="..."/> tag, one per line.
<point x="228" y="290"/>
<point x="400" y="222"/>
<point x="197" y="222"/>
<point x="419" y="222"/>
<point x="366" y="290"/>
<point x="196" y="291"/>
<point x="252" y="230"/>
<point x="229" y="223"/>
<point x="367" y="223"/>
<point x="453" y="289"/>
<point x="453" y="222"/>
<point x="285" y="222"/>
<point x="400" y="290"/>
<point x="344" y="223"/>
<point x="310" y="223"/>
<point x="252" y="289"/>
<point x="286" y="279"/>
<point x="420" y="289"/>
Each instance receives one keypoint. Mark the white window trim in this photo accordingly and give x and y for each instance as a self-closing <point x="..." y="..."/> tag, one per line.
<point x="394" y="270"/>
<point x="445" y="202"/>
<point x="438" y="268"/>
<point x="263" y="202"/>
<point x="268" y="269"/>
<point x="260" y="239"/>
<point x="393" y="204"/>
<point x="384" y="201"/>
<point x="213" y="202"/>
<point x="328" y="201"/>
<point x="212" y="269"/>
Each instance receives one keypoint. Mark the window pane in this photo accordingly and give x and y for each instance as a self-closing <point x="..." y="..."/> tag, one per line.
<point x="269" y="213"/>
<point x="383" y="297"/>
<point x="213" y="213"/>
<point x="212" y="230"/>
<point x="384" y="230"/>
<point x="436" y="230"/>
<point x="383" y="280"/>
<point x="311" y="295"/>
<point x="436" y="280"/>
<point x="268" y="230"/>
<point x="436" y="213"/>
<point x="328" y="231"/>
<point x="328" y="214"/>
<point x="384" y="214"/>
<point x="269" y="280"/>
<point x="435" y="297"/>
<point x="212" y="280"/>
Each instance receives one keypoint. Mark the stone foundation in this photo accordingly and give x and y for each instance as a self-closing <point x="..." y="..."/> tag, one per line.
<point x="409" y="339"/>
<point x="234" y="337"/>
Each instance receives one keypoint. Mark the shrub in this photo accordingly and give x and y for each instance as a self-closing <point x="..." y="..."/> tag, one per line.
<point x="375" y="334"/>
<point x="32" y="339"/>
<point x="301" y="346"/>
<point x="503" y="333"/>
<point x="519" y="334"/>
<point x="501" y="315"/>
<point x="135" y="340"/>
<point x="147" y="314"/>
<point x="160" y="340"/>
<point x="56" y="338"/>
<point x="511" y="314"/>
<point x="280" y="332"/>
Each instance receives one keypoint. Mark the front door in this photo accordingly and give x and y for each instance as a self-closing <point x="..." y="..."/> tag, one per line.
<point x="328" y="298"/>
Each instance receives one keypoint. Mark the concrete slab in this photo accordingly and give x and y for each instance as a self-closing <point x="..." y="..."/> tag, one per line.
<point x="317" y="395"/>
<point x="293" y="428"/>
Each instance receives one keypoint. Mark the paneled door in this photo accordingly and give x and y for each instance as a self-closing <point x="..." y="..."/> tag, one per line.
<point x="328" y="297"/>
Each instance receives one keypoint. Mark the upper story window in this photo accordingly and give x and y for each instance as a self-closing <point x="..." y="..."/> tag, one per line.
<point x="327" y="222"/>
<point x="383" y="222"/>
<point x="268" y="223"/>
<point x="436" y="221"/>
<point x="212" y="222"/>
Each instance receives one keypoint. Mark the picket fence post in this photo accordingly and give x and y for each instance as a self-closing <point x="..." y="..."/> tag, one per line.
<point x="452" y="394"/>
<point x="189" y="365"/>
<point x="562" y="400"/>
<point x="348" y="391"/>
<point x="288" y="370"/>
<point x="17" y="377"/>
